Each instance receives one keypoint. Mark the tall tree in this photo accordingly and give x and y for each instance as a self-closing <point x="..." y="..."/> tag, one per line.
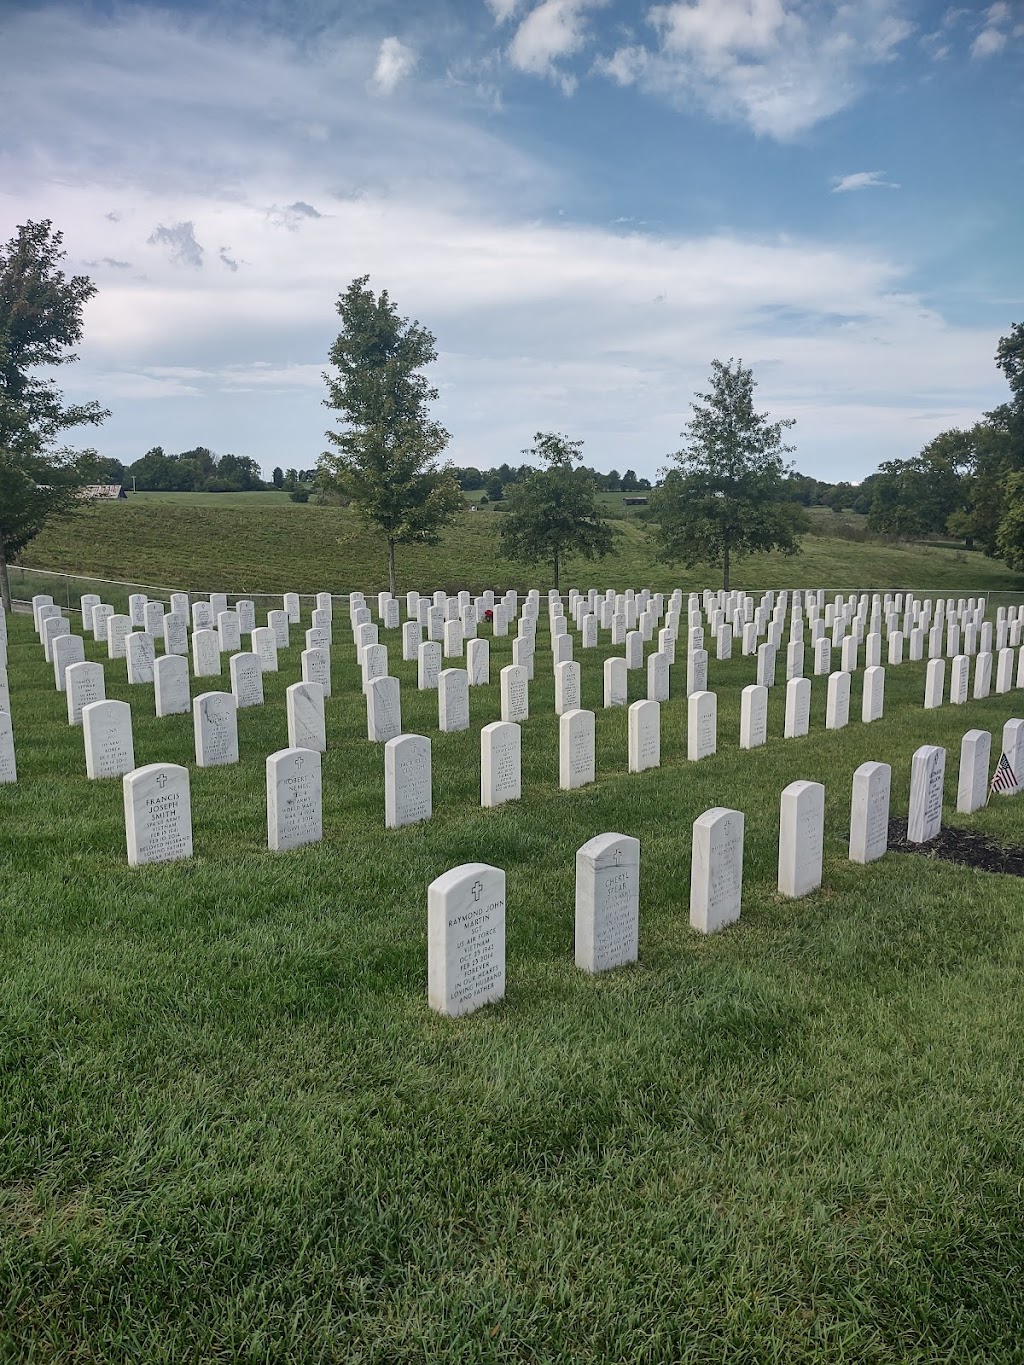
<point x="385" y="458"/>
<point x="553" y="511"/>
<point x="40" y="323"/>
<point x="727" y="495"/>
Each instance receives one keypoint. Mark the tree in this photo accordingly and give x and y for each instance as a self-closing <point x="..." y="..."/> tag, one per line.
<point x="493" y="488"/>
<point x="918" y="496"/>
<point x="612" y="481"/>
<point x="554" y="511"/>
<point x="726" y="497"/>
<point x="277" y="477"/>
<point x="40" y="323"/>
<point x="629" y="481"/>
<point x="385" y="459"/>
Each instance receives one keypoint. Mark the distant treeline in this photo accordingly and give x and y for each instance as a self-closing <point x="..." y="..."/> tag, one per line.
<point x="202" y="471"/>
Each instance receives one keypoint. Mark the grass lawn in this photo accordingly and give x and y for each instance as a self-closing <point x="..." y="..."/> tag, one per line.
<point x="253" y="543"/>
<point x="233" y="1131"/>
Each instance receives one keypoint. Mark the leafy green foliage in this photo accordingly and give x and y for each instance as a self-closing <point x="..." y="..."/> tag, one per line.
<point x="385" y="458"/>
<point x="40" y="323"/>
<point x="553" y="512"/>
<point x="727" y="495"/>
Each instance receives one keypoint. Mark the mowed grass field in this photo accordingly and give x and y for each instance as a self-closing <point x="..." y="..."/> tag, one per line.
<point x="256" y="542"/>
<point x="233" y="1131"/>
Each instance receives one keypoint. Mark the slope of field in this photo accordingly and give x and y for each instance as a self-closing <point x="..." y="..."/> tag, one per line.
<point x="234" y="1132"/>
<point x="269" y="544"/>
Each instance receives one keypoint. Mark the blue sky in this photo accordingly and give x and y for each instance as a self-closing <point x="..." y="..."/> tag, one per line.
<point x="585" y="200"/>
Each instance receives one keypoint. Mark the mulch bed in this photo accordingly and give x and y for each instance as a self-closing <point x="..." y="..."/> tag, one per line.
<point x="961" y="846"/>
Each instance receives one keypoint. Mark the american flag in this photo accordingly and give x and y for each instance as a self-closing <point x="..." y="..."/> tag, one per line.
<point x="1003" y="779"/>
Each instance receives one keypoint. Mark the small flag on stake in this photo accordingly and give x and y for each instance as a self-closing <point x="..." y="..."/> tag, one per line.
<point x="1003" y="779"/>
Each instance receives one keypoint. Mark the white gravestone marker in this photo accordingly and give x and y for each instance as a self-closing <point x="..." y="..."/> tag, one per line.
<point x="466" y="939"/>
<point x="869" y="812"/>
<point x="576" y="752"/>
<point x="206" y="653"/>
<point x="478" y="662"/>
<point x="972" y="787"/>
<point x="716" y="869"/>
<point x="607" y="902"/>
<point x="383" y="710"/>
<point x="157" y="814"/>
<point x="84" y="684"/>
<point x="264" y="643"/>
<point x="175" y="632"/>
<point x="616" y="682"/>
<point x="118" y="630"/>
<point x="934" y="683"/>
<point x="307" y="727"/>
<point x="696" y="671"/>
<point x="215" y="723"/>
<point x="229" y="632"/>
<point x="500" y="763"/>
<point x="753" y="716"/>
<point x="407" y="781"/>
<point x="702" y="725"/>
<point x="1013" y="748"/>
<point x="140" y="653"/>
<point x="8" y="764"/>
<point x="657" y="677"/>
<point x="873" y="696"/>
<point x="107" y="732"/>
<point x="927" y="775"/>
<point x="278" y="623"/>
<point x="644" y="736"/>
<point x="515" y="694"/>
<point x="171" y="685"/>
<point x="246" y="679"/>
<point x="316" y="668"/>
<point x="428" y="666"/>
<point x="982" y="676"/>
<point x="567" y="687"/>
<point x="798" y="708"/>
<point x="959" y="677"/>
<point x="801" y="831"/>
<point x="453" y="700"/>
<point x="837" y="705"/>
<point x="294" y="799"/>
<point x="66" y="650"/>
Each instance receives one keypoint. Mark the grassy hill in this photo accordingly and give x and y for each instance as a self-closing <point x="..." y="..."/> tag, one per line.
<point x="262" y="542"/>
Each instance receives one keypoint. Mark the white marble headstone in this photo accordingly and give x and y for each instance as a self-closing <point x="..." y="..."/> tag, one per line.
<point x="975" y="755"/>
<point x="500" y="763"/>
<point x="84" y="683"/>
<point x="466" y="939"/>
<point x="644" y="736"/>
<point x="869" y="812"/>
<point x="576" y="753"/>
<point x="407" y="780"/>
<point x="607" y="902"/>
<point x="716" y="869"/>
<point x="171" y="685"/>
<point x="294" y="799"/>
<point x="107" y="733"/>
<point x="157" y="814"/>
<point x="801" y="833"/>
<point x="927" y="776"/>
<point x="215" y="724"/>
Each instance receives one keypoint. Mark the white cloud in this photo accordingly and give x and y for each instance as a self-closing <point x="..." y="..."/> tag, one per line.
<point x="775" y="65"/>
<point x="988" y="42"/>
<point x="395" y="61"/>
<point x="502" y="9"/>
<point x="862" y="180"/>
<point x="552" y="31"/>
<point x="603" y="333"/>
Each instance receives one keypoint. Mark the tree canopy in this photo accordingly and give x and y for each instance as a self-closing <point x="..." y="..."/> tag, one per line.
<point x="727" y="494"/>
<point x="385" y="457"/>
<point x="553" y="512"/>
<point x="40" y="324"/>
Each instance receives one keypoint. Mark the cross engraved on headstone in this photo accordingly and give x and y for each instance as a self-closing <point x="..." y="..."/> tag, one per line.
<point x="299" y="761"/>
<point x="617" y="857"/>
<point x="161" y="781"/>
<point x="477" y="888"/>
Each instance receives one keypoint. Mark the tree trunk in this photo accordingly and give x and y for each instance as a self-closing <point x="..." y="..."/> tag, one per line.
<point x="392" y="576"/>
<point x="725" y="564"/>
<point x="556" y="568"/>
<point x="5" y="582"/>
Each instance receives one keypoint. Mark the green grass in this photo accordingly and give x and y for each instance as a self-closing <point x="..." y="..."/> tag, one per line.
<point x="233" y="1131"/>
<point x="265" y="544"/>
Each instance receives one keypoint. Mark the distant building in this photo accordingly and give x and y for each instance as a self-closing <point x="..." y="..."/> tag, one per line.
<point x="103" y="492"/>
<point x="634" y="502"/>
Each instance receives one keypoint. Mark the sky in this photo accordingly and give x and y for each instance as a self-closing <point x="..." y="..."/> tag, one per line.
<point x="586" y="201"/>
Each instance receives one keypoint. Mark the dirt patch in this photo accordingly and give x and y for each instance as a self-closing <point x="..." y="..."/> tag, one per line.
<point x="962" y="846"/>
